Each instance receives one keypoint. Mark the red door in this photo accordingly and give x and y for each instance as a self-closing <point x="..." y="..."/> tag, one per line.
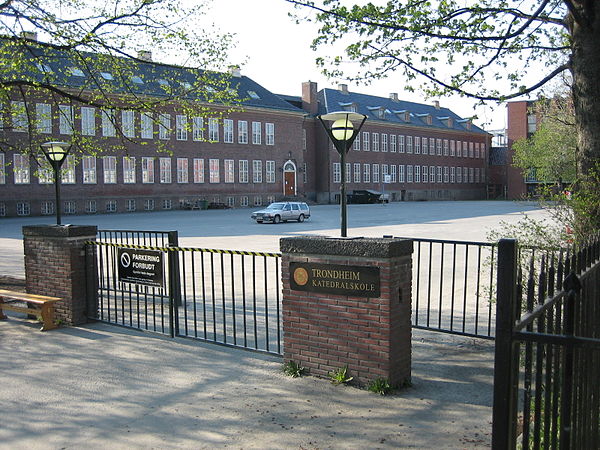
<point x="290" y="183"/>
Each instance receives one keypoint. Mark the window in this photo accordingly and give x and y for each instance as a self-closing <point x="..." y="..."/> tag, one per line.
<point x="482" y="152"/>
<point x="213" y="170"/>
<point x="88" y="165"/>
<point x="270" y="133"/>
<point x="465" y="149"/>
<point x="229" y="170"/>
<point x="366" y="139"/>
<point x="305" y="173"/>
<point x="477" y="150"/>
<point x="470" y="150"/>
<point x="452" y="174"/>
<point x="47" y="208"/>
<point x="146" y="125"/>
<point x="198" y="129"/>
<point x="181" y="124"/>
<point x="164" y="126"/>
<point x="425" y="174"/>
<point x="431" y="146"/>
<point x="2" y="169"/>
<point x="108" y="123"/>
<point x="23" y="209"/>
<point x="213" y="130"/>
<point x="19" y="116"/>
<point x="366" y="173"/>
<point x="109" y="165"/>
<point x="147" y="170"/>
<point x="452" y="147"/>
<point x="446" y="175"/>
<point x="244" y="200"/>
<point x="401" y="144"/>
<point x="128" y="170"/>
<point x="182" y="170"/>
<point x="111" y="206"/>
<point x="303" y="139"/>
<point x="375" y="142"/>
<point x="471" y="175"/>
<point x="531" y="123"/>
<point x="375" y="173"/>
<point x="69" y="207"/>
<point x="21" y="168"/>
<point x="384" y="142"/>
<point x="270" y="171"/>
<point x="393" y="173"/>
<point x="127" y="117"/>
<point x="458" y="175"/>
<point x="257" y="171"/>
<point x="417" y="174"/>
<point x="445" y="147"/>
<point x="88" y="121"/>
<point x="149" y="204"/>
<point x="106" y="75"/>
<point x="45" y="173"/>
<point x="198" y="170"/>
<point x="65" y="119"/>
<point x="476" y="174"/>
<point x="356" y="144"/>
<point x="228" y="132"/>
<point x="357" y="172"/>
<point x="164" y="170"/>
<point x="167" y="203"/>
<point x="432" y="174"/>
<point x="337" y="173"/>
<point x="348" y="173"/>
<point x="44" y="118"/>
<point x="231" y="201"/>
<point x="401" y="173"/>
<point x="392" y="143"/>
<point x="130" y="205"/>
<point x="257" y="201"/>
<point x="438" y="147"/>
<point x="243" y="171"/>
<point x="242" y="132"/>
<point x="417" y="145"/>
<point x="439" y="174"/>
<point x="409" y="144"/>
<point x="256" y="133"/>
<point x="2" y="209"/>
<point x="409" y="174"/>
<point x="91" y="206"/>
<point x="425" y="146"/>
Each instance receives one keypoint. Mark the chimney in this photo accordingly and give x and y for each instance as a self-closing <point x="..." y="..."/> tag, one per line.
<point x="31" y="35"/>
<point x="145" y="55"/>
<point x="310" y="103"/>
<point x="394" y="96"/>
<point x="343" y="88"/>
<point x="436" y="103"/>
<point x="235" y="71"/>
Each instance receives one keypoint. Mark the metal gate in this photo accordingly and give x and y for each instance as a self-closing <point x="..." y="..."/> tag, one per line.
<point x="222" y="296"/>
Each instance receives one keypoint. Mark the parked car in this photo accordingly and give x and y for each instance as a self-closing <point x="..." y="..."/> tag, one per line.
<point x="282" y="212"/>
<point x="367" y="196"/>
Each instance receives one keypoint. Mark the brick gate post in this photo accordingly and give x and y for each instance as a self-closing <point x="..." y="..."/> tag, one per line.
<point x="55" y="266"/>
<point x="347" y="302"/>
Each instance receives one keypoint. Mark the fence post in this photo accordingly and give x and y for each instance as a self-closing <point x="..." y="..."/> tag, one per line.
<point x="506" y="360"/>
<point x="174" y="284"/>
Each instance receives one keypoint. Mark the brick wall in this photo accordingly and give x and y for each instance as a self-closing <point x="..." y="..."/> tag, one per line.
<point x="55" y="266"/>
<point x="372" y="336"/>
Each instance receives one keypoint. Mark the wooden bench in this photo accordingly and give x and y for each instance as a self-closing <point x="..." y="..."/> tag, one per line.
<point x="40" y="305"/>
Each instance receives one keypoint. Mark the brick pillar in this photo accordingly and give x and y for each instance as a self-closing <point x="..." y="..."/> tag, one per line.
<point x="347" y="302"/>
<point x="55" y="266"/>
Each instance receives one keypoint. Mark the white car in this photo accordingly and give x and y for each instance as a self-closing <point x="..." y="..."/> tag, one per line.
<point x="282" y="212"/>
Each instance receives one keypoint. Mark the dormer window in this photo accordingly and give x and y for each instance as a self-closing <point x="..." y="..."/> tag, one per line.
<point x="137" y="80"/>
<point x="106" y="76"/>
<point x="186" y="85"/>
<point x="447" y="121"/>
<point x="76" y="72"/>
<point x="253" y="95"/>
<point x="426" y="118"/>
<point x="350" y="107"/>
<point x="466" y="123"/>
<point x="377" y="111"/>
<point x="163" y="82"/>
<point x="43" y="67"/>
<point x="407" y="116"/>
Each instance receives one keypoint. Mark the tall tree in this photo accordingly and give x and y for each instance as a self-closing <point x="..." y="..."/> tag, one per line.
<point x="74" y="52"/>
<point x="484" y="49"/>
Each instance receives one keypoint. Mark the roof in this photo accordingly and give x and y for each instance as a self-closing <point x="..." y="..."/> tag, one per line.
<point x="388" y="110"/>
<point x="126" y="76"/>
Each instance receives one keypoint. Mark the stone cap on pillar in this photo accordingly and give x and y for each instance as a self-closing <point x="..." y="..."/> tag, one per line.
<point x="362" y="247"/>
<point x="60" y="231"/>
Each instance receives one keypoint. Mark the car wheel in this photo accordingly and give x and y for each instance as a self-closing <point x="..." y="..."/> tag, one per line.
<point x="301" y="218"/>
<point x="276" y="219"/>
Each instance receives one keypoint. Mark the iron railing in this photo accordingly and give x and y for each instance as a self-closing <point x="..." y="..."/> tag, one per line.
<point x="546" y="391"/>
<point x="453" y="286"/>
<point x="222" y="296"/>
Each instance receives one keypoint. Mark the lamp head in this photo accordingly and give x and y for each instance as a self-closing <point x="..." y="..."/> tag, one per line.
<point x="55" y="151"/>
<point x="342" y="129"/>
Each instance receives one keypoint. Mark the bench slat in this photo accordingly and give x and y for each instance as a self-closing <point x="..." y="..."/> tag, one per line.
<point x="33" y="298"/>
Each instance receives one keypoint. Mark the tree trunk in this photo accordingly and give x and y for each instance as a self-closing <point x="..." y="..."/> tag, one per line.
<point x="585" y="35"/>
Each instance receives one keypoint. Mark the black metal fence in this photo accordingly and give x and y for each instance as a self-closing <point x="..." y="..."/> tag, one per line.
<point x="454" y="286"/>
<point x="547" y="363"/>
<point x="223" y="296"/>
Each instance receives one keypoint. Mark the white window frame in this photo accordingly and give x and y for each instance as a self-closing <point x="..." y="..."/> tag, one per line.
<point x="147" y="170"/>
<point x="198" y="128"/>
<point x="183" y="173"/>
<point x="164" y="126"/>
<point x="198" y="170"/>
<point x="128" y="122"/>
<point x="242" y="131"/>
<point x="401" y="173"/>
<point x="21" y="169"/>
<point x="337" y="173"/>
<point x="366" y="173"/>
<point x="228" y="132"/>
<point x="165" y="172"/>
<point x="88" y="169"/>
<point x="270" y="171"/>
<point x="257" y="174"/>
<point x="19" y="117"/>
<point x="417" y="170"/>
<point x="129" y="170"/>
<point x="213" y="129"/>
<point x="366" y="141"/>
<point x="243" y="171"/>
<point x="43" y="113"/>
<point x="409" y="144"/>
<point x="375" y="142"/>
<point x="88" y="121"/>
<point x="146" y="125"/>
<point x="66" y="119"/>
<point x="213" y="171"/>
<point x="181" y="127"/>
<point x="108" y="123"/>
<point x="229" y="170"/>
<point x="109" y="169"/>
<point x="393" y="173"/>
<point x="384" y="142"/>
<point x="375" y="173"/>
<point x="357" y="172"/>
<point x="409" y="173"/>
<point x="256" y="133"/>
<point x="269" y="133"/>
<point x="401" y="148"/>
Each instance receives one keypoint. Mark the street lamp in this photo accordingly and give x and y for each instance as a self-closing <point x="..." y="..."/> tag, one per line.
<point x="56" y="153"/>
<point x="342" y="133"/>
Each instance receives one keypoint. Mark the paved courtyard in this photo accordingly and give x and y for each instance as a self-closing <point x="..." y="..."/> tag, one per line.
<point x="234" y="230"/>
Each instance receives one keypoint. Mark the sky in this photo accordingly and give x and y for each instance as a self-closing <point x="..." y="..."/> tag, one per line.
<point x="275" y="52"/>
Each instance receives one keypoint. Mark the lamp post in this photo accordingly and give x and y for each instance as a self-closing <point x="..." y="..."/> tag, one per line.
<point x="342" y="133"/>
<point x="56" y="153"/>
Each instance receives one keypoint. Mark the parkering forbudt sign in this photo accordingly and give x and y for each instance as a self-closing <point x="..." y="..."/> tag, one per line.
<point x="144" y="267"/>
